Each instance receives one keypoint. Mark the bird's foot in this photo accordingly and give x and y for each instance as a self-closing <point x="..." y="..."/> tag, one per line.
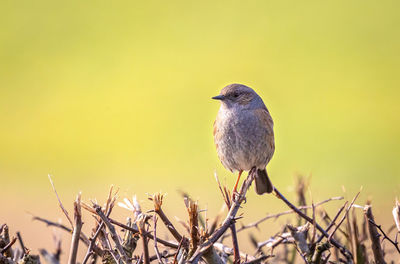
<point x="236" y="196"/>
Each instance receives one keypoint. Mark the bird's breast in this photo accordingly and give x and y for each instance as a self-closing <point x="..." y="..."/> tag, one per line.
<point x="239" y="139"/>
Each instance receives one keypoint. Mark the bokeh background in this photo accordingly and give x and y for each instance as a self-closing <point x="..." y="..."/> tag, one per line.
<point x="118" y="92"/>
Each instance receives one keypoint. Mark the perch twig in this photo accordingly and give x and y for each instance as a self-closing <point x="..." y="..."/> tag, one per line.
<point x="342" y="249"/>
<point x="229" y="220"/>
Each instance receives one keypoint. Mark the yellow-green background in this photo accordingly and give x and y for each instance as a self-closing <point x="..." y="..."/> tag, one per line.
<point x="118" y="92"/>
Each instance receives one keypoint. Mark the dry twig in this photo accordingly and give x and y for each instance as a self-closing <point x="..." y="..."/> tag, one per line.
<point x="60" y="203"/>
<point x="277" y="215"/>
<point x="136" y="231"/>
<point x="24" y="250"/>
<point x="9" y="245"/>
<point x="77" y="230"/>
<point x="114" y="235"/>
<point x="342" y="249"/>
<point x="155" y="241"/>
<point x="374" y="236"/>
<point x="158" y="199"/>
<point x="229" y="220"/>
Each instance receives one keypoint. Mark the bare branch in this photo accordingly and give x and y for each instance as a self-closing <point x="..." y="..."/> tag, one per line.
<point x="178" y="250"/>
<point x="77" y="230"/>
<point x="342" y="249"/>
<point x="155" y="241"/>
<point x="332" y="223"/>
<point x="344" y="216"/>
<point x="158" y="199"/>
<point x="141" y="223"/>
<point x="135" y="231"/>
<point x="21" y="243"/>
<point x="385" y="237"/>
<point x="277" y="215"/>
<point x="258" y="260"/>
<point x="93" y="243"/>
<point x="4" y="249"/>
<point x="374" y="236"/>
<point x="236" y="253"/>
<point x="229" y="220"/>
<point x="83" y="237"/>
<point x="60" y="203"/>
<point x="114" y="235"/>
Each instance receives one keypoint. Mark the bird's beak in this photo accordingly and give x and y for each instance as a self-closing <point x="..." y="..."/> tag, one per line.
<point x="218" y="97"/>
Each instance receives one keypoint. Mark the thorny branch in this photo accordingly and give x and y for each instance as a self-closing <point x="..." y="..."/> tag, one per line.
<point x="158" y="199"/>
<point x="149" y="235"/>
<point x="342" y="249"/>
<point x="374" y="236"/>
<point x="229" y="220"/>
<point x="114" y="235"/>
<point x="201" y="241"/>
<point x="385" y="237"/>
<point x="277" y="215"/>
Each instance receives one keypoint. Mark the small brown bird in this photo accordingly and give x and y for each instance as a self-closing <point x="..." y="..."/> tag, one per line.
<point x="243" y="134"/>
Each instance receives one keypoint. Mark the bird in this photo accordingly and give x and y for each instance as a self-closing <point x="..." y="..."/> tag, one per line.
<point x="243" y="135"/>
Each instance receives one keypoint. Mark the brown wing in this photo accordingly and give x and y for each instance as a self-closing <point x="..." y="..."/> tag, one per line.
<point x="268" y="124"/>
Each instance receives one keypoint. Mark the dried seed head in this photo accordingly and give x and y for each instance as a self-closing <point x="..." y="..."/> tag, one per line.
<point x="157" y="199"/>
<point x="133" y="206"/>
<point x="141" y="222"/>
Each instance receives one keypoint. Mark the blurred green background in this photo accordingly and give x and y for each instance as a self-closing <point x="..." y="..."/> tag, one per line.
<point x="118" y="92"/>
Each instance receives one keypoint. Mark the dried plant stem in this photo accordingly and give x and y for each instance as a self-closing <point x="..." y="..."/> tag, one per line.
<point x="136" y="231"/>
<point x="342" y="249"/>
<point x="21" y="243"/>
<point x="236" y="253"/>
<point x="110" y="250"/>
<point x="114" y="235"/>
<point x="83" y="237"/>
<point x="269" y="216"/>
<point x="6" y="236"/>
<point x="77" y="231"/>
<point x="177" y="251"/>
<point x="258" y="260"/>
<point x="192" y="210"/>
<point x="145" y="250"/>
<point x="100" y="230"/>
<point x="374" y="236"/>
<point x="59" y="202"/>
<point x="394" y="243"/>
<point x="344" y="216"/>
<point x="142" y="232"/>
<point x="168" y="224"/>
<point x="229" y="220"/>
<point x="8" y="245"/>
<point x="155" y="241"/>
<point x="332" y="223"/>
<point x="93" y="243"/>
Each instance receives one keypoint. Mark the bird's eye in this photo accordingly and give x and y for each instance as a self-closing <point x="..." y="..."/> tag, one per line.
<point x="236" y="95"/>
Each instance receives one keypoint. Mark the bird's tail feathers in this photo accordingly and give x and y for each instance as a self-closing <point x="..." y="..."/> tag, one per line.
<point x="262" y="182"/>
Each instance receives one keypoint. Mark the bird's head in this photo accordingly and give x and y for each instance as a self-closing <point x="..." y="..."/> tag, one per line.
<point x="237" y="95"/>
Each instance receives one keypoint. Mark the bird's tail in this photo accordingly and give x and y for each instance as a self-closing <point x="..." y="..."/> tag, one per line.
<point x="262" y="182"/>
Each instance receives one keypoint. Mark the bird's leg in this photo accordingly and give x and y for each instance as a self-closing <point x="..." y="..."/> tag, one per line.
<point x="234" y="192"/>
